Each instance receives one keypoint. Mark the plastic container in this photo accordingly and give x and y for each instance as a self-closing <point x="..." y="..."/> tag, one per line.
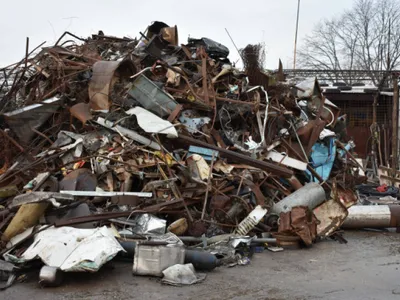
<point x="153" y="259"/>
<point x="251" y="220"/>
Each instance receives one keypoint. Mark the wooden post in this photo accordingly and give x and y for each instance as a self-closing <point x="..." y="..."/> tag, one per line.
<point x="395" y="121"/>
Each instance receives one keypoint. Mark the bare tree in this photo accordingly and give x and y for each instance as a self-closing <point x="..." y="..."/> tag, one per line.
<point x="366" y="37"/>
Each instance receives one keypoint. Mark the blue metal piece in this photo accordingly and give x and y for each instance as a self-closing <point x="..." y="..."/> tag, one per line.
<point x="204" y="152"/>
<point x="322" y="158"/>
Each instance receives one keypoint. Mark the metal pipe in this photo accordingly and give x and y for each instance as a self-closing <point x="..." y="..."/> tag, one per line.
<point x="372" y="216"/>
<point x="200" y="239"/>
<point x="311" y="195"/>
<point x="106" y="194"/>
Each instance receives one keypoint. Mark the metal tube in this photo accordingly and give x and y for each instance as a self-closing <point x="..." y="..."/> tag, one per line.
<point x="311" y="195"/>
<point x="372" y="216"/>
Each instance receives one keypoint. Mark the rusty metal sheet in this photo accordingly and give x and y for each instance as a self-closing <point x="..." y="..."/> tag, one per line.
<point x="105" y="74"/>
<point x="309" y="134"/>
<point x="346" y="196"/>
<point x="21" y="121"/>
<point x="331" y="215"/>
<point x="81" y="111"/>
<point x="170" y="34"/>
<point x="361" y="136"/>
<point x="79" y="180"/>
<point x="299" y="221"/>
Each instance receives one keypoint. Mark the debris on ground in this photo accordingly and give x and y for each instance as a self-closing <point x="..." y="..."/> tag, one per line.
<point x="165" y="154"/>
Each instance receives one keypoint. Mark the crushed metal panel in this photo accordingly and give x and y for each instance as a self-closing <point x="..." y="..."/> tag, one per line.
<point x="23" y="120"/>
<point x="151" y="97"/>
<point x="72" y="249"/>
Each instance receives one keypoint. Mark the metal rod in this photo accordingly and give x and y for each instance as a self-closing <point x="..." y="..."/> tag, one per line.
<point x="298" y="140"/>
<point x="106" y="194"/>
<point x="200" y="239"/>
<point x="208" y="185"/>
<point x="234" y="45"/>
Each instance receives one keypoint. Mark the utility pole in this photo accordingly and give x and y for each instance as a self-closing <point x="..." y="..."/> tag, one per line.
<point x="295" y="36"/>
<point x="388" y="47"/>
<point x="395" y="124"/>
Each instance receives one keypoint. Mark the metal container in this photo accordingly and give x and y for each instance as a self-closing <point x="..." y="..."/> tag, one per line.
<point x="151" y="97"/>
<point x="153" y="259"/>
<point x="311" y="195"/>
<point x="50" y="276"/>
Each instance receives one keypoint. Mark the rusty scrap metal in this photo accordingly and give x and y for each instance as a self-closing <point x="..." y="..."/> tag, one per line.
<point x="64" y="112"/>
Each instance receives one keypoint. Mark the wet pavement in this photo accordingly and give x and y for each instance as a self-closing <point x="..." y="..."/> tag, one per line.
<point x="365" y="268"/>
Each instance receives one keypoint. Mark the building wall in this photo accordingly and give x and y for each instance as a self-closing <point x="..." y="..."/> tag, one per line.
<point x="359" y="110"/>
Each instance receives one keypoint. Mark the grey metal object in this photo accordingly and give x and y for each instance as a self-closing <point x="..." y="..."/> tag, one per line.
<point x="310" y="195"/>
<point x="23" y="120"/>
<point x="189" y="239"/>
<point x="36" y="197"/>
<point x="7" y="273"/>
<point x="6" y="266"/>
<point x="82" y="210"/>
<point x="372" y="216"/>
<point x="153" y="259"/>
<point x="151" y="97"/>
<point x="106" y="194"/>
<point x="50" y="276"/>
<point x="129" y="133"/>
<point x="145" y="224"/>
<point x="193" y="124"/>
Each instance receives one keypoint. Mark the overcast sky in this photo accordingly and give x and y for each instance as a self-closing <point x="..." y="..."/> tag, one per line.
<point x="252" y="21"/>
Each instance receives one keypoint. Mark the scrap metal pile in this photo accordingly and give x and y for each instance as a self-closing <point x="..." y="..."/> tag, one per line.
<point x="113" y="144"/>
